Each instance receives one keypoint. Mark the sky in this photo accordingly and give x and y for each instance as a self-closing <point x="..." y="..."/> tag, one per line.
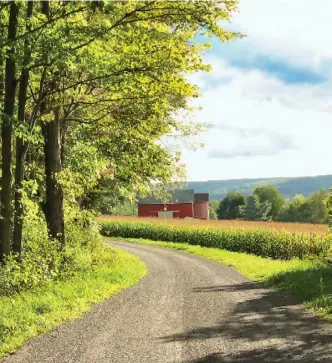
<point x="268" y="96"/>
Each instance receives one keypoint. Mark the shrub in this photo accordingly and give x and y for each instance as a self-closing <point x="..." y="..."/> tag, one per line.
<point x="265" y="243"/>
<point x="43" y="260"/>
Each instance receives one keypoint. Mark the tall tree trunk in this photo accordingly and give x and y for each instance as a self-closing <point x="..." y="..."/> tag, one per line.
<point x="53" y="207"/>
<point x="2" y="83"/>
<point x="21" y="145"/>
<point x="6" y="133"/>
<point x="2" y="97"/>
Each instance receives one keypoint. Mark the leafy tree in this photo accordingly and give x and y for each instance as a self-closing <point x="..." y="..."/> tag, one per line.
<point x="230" y="206"/>
<point x="290" y="210"/>
<point x="269" y="194"/>
<point x="306" y="210"/>
<point x="99" y="85"/>
<point x="329" y="207"/>
<point x="254" y="210"/>
<point x="213" y="207"/>
<point x="249" y="210"/>
<point x="124" y="208"/>
<point x="8" y="111"/>
<point x="318" y="207"/>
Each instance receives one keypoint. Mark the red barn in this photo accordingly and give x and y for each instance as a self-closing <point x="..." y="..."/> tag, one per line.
<point x="181" y="204"/>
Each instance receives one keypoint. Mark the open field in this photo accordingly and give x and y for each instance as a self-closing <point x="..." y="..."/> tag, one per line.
<point x="275" y="226"/>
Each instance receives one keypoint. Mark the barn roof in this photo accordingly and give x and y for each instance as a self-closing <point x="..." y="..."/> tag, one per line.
<point x="176" y="196"/>
<point x="201" y="197"/>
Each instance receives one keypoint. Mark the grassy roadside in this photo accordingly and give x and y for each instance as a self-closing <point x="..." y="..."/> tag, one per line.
<point x="27" y="314"/>
<point x="309" y="281"/>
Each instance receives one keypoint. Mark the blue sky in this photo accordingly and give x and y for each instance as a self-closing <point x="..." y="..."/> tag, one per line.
<point x="268" y="96"/>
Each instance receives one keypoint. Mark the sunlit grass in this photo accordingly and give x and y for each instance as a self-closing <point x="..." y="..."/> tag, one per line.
<point x="30" y="313"/>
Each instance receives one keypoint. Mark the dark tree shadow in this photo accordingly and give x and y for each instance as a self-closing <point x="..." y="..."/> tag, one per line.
<point x="270" y="355"/>
<point x="264" y="316"/>
<point x="229" y="288"/>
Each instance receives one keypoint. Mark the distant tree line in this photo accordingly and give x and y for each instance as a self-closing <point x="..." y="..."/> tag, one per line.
<point x="267" y="204"/>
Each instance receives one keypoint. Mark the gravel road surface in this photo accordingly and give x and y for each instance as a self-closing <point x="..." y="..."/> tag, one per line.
<point x="187" y="309"/>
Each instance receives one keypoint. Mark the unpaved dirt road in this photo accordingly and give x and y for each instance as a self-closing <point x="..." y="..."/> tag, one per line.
<point x="186" y="309"/>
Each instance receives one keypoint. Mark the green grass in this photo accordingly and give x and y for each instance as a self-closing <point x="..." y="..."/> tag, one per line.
<point x="27" y="314"/>
<point x="309" y="281"/>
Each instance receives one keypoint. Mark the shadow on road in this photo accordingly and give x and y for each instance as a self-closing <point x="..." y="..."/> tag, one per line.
<point x="229" y="288"/>
<point x="270" y="355"/>
<point x="268" y="321"/>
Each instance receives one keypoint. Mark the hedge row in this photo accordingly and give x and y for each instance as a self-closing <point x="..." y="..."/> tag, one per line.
<point x="265" y="243"/>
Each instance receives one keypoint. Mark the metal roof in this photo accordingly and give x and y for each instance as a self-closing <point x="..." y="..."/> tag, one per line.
<point x="176" y="196"/>
<point x="201" y="197"/>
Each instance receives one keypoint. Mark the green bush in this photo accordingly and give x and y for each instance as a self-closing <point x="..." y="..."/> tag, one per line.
<point x="265" y="243"/>
<point x="43" y="260"/>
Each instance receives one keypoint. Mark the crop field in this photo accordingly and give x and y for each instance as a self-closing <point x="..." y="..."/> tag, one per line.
<point x="234" y="224"/>
<point x="272" y="240"/>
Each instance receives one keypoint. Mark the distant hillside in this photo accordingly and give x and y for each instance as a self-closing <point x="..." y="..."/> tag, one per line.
<point x="288" y="187"/>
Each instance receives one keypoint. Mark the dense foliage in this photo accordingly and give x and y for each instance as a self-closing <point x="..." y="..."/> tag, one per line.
<point x="88" y="92"/>
<point x="309" y="210"/>
<point x="230" y="206"/>
<point x="255" y="210"/>
<point x="266" y="204"/>
<point x="43" y="261"/>
<point x="261" y="242"/>
<point x="270" y="196"/>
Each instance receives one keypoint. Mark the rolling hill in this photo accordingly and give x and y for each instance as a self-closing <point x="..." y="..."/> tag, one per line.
<point x="288" y="187"/>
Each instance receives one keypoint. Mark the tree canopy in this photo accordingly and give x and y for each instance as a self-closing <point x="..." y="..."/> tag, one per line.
<point x="307" y="210"/>
<point x="314" y="209"/>
<point x="270" y="194"/>
<point x="87" y="92"/>
<point x="230" y="206"/>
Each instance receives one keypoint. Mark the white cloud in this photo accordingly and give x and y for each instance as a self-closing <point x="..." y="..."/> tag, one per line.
<point x="263" y="86"/>
<point x="251" y="142"/>
<point x="297" y="29"/>
<point x="286" y="129"/>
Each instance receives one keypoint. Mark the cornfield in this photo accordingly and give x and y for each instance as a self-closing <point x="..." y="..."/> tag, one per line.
<point x="237" y="224"/>
<point x="268" y="239"/>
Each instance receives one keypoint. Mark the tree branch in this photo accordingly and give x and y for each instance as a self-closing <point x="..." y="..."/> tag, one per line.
<point x="50" y="21"/>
